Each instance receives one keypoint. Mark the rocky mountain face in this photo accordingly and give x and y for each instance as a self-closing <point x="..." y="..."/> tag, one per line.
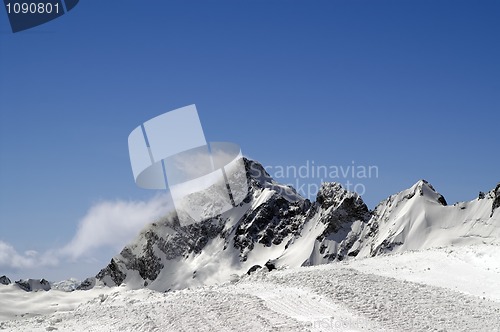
<point x="4" y="280"/>
<point x="496" y="196"/>
<point x="276" y="227"/>
<point x="30" y="285"/>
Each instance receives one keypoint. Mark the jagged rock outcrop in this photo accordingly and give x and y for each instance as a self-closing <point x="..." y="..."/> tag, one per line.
<point x="112" y="274"/>
<point x="269" y="224"/>
<point x="4" y="280"/>
<point x="87" y="284"/>
<point x="30" y="285"/>
<point x="496" y="199"/>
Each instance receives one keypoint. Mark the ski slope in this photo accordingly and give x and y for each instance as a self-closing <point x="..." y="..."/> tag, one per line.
<point x="386" y="293"/>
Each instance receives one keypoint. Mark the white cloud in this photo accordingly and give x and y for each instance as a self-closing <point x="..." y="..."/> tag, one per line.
<point x="12" y="260"/>
<point x="114" y="224"/>
<point x="108" y="224"/>
<point x="31" y="253"/>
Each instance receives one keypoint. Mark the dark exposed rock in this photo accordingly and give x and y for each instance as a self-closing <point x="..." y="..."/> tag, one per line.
<point x="343" y="208"/>
<point x="253" y="269"/>
<point x="331" y="194"/>
<point x="353" y="253"/>
<point x="496" y="201"/>
<point x="112" y="271"/>
<point x="257" y="176"/>
<point x="268" y="224"/>
<point x="187" y="239"/>
<point x="182" y="241"/>
<point x="87" y="284"/>
<point x="270" y="265"/>
<point x="349" y="210"/>
<point x="24" y="285"/>
<point x="33" y="285"/>
<point x="442" y="200"/>
<point x="387" y="246"/>
<point x="4" y="280"/>
<point x="148" y="265"/>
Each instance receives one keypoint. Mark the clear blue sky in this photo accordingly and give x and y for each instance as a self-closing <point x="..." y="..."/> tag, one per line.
<point x="409" y="86"/>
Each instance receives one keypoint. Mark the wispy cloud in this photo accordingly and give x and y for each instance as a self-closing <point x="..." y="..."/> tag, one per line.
<point x="11" y="259"/>
<point x="113" y="224"/>
<point x="107" y="224"/>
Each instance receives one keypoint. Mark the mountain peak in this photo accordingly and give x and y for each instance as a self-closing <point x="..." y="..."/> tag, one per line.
<point x="259" y="179"/>
<point x="423" y="183"/>
<point x="425" y="189"/>
<point x="256" y="173"/>
<point x="332" y="194"/>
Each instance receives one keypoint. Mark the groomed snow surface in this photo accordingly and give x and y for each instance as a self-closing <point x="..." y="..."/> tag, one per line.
<point x="443" y="289"/>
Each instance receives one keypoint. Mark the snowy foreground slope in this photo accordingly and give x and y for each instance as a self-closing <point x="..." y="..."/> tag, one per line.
<point x="277" y="227"/>
<point x="372" y="294"/>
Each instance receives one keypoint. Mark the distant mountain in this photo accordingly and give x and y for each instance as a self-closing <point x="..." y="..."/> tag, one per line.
<point x="33" y="285"/>
<point x="275" y="227"/>
<point x="4" y="280"/>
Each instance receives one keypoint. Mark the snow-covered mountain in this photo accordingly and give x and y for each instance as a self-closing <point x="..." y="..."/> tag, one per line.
<point x="275" y="227"/>
<point x="419" y="218"/>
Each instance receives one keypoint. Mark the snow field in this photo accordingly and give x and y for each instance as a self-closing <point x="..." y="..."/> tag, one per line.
<point x="387" y="293"/>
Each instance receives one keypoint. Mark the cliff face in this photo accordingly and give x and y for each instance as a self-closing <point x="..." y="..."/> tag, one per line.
<point x="496" y="199"/>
